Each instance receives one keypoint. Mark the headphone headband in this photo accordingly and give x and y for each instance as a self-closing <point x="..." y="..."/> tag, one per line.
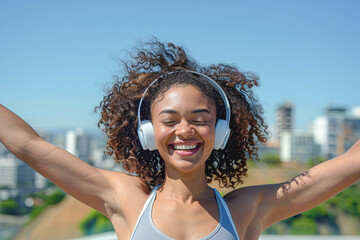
<point x="220" y="141"/>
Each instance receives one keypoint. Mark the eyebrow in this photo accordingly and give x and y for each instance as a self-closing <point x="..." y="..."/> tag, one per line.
<point x="201" y="110"/>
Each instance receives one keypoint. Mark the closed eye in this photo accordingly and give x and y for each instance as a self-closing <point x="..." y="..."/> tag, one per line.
<point x="201" y="122"/>
<point x="169" y="123"/>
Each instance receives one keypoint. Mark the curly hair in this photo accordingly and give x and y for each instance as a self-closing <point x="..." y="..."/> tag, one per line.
<point x="155" y="60"/>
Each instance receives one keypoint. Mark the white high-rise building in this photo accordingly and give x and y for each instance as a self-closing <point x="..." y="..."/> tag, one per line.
<point x="8" y="171"/>
<point x="15" y="173"/>
<point x="70" y="142"/>
<point x="298" y="146"/>
<point x="40" y="181"/>
<point x="320" y="131"/>
<point x="336" y="131"/>
<point x="79" y="143"/>
<point x="83" y="142"/>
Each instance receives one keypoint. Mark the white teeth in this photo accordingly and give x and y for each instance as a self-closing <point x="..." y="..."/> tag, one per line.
<point x="185" y="147"/>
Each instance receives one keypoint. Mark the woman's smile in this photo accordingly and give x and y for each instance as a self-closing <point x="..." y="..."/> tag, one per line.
<point x="185" y="148"/>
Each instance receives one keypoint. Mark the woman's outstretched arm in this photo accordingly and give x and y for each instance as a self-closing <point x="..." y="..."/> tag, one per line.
<point x="314" y="186"/>
<point x="95" y="187"/>
<point x="268" y="204"/>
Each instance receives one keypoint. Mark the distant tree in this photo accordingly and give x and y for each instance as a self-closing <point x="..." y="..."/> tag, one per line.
<point x="320" y="213"/>
<point x="50" y="184"/>
<point x="55" y="198"/>
<point x="348" y="200"/>
<point x="303" y="225"/>
<point x="94" y="223"/>
<point x="315" y="161"/>
<point x="277" y="228"/>
<point x="270" y="159"/>
<point x="10" y="207"/>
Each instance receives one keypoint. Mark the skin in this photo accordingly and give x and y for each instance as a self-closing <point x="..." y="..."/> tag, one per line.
<point x="183" y="115"/>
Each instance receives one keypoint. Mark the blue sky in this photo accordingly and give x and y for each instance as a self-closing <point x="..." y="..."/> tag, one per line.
<point x="57" y="57"/>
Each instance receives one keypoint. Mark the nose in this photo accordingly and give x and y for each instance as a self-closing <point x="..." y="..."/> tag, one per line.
<point x="184" y="129"/>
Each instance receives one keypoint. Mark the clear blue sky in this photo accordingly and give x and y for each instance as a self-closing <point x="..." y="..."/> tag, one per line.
<point x="56" y="57"/>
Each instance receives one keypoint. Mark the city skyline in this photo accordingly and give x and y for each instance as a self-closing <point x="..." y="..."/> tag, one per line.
<point x="58" y="57"/>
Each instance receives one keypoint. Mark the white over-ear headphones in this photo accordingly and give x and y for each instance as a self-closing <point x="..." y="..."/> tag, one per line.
<point x="222" y="130"/>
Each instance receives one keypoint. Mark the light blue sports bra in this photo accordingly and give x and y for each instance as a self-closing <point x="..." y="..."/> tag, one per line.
<point x="146" y="229"/>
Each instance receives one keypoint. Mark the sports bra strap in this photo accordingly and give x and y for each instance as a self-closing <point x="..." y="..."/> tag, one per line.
<point x="152" y="194"/>
<point x="227" y="212"/>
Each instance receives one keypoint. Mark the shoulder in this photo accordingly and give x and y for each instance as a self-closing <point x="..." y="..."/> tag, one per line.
<point x="245" y="199"/>
<point x="122" y="181"/>
<point x="127" y="191"/>
<point x="248" y="207"/>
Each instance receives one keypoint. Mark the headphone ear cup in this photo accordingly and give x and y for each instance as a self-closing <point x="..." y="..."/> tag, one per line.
<point x="147" y="136"/>
<point x="222" y="133"/>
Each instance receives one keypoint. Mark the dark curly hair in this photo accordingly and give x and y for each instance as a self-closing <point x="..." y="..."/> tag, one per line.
<point x="155" y="60"/>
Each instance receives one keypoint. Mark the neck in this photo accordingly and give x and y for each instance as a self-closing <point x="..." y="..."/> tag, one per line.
<point x="186" y="187"/>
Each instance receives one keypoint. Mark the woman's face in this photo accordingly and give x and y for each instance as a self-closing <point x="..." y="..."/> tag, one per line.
<point x="184" y="123"/>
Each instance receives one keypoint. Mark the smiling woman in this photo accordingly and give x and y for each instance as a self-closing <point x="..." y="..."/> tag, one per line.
<point x="154" y="70"/>
<point x="176" y="126"/>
